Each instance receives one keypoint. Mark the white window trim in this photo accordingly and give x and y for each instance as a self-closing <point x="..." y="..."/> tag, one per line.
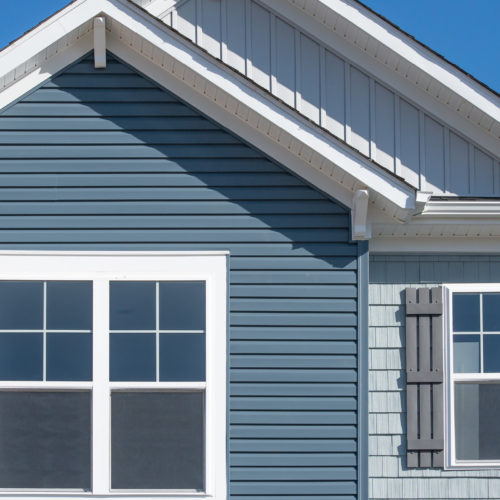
<point x="101" y="267"/>
<point x="451" y="378"/>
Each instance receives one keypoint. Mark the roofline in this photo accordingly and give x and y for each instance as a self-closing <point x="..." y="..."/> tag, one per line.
<point x="426" y="47"/>
<point x="316" y="155"/>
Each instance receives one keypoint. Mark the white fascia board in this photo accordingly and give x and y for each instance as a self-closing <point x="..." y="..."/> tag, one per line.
<point x="414" y="94"/>
<point x="452" y="245"/>
<point x="413" y="52"/>
<point x="212" y="71"/>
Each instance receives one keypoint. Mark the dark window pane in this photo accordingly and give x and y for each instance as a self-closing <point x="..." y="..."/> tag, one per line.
<point x="132" y="357"/>
<point x="45" y="440"/>
<point x="132" y="305"/>
<point x="157" y="440"/>
<point x="477" y="433"/>
<point x="182" y="357"/>
<point x="491" y="353"/>
<point x="466" y="354"/>
<point x="21" y="356"/>
<point x="69" y="356"/>
<point x="465" y="312"/>
<point x="69" y="305"/>
<point x="21" y="305"/>
<point x="182" y="305"/>
<point x="491" y="312"/>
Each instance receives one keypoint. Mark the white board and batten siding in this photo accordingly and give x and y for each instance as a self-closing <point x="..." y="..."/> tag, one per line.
<point x="389" y="476"/>
<point x="337" y="95"/>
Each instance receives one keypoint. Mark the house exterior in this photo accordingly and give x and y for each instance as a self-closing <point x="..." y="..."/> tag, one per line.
<point x="248" y="250"/>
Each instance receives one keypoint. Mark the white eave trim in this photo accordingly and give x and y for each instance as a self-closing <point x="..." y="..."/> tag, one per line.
<point x="320" y="158"/>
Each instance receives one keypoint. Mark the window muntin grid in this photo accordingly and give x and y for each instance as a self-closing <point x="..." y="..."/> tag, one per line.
<point x="474" y="376"/>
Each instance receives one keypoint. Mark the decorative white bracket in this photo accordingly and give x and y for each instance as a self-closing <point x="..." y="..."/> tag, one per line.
<point x="421" y="199"/>
<point x="99" y="42"/>
<point x="361" y="230"/>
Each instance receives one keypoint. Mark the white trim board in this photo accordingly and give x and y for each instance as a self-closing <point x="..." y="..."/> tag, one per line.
<point x="156" y="50"/>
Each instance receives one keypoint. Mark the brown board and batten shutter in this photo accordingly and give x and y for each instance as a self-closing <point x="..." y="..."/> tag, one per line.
<point x="424" y="377"/>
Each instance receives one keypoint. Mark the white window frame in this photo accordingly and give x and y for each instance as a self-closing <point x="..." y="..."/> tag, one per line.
<point x="102" y="267"/>
<point x="450" y="378"/>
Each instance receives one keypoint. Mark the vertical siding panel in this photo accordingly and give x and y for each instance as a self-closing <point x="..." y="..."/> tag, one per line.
<point x="459" y="165"/>
<point x="236" y="34"/>
<point x="186" y="19"/>
<point x="211" y="27"/>
<point x="434" y="155"/>
<point x="483" y="174"/>
<point x="384" y="126"/>
<point x="410" y="149"/>
<point x="285" y="62"/>
<point x="261" y="45"/>
<point x="360" y="111"/>
<point x="335" y="95"/>
<point x="309" y="81"/>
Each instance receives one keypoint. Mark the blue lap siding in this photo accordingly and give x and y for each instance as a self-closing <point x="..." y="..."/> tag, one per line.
<point x="105" y="159"/>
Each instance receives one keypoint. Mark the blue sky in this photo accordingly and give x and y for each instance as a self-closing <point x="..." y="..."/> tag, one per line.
<point x="466" y="32"/>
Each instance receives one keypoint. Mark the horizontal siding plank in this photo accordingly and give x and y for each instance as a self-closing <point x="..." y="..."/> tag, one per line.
<point x="292" y="403"/>
<point x="289" y="305"/>
<point x="306" y="319"/>
<point x="129" y="151"/>
<point x="91" y="95"/>
<point x="292" y="431"/>
<point x="170" y="180"/>
<point x="181" y="207"/>
<point x="292" y="417"/>
<point x="292" y="445"/>
<point x="293" y="361"/>
<point x="248" y="263"/>
<point x="195" y="194"/>
<point x="292" y="487"/>
<point x="291" y="389"/>
<point x="292" y="473"/>
<point x="295" y="497"/>
<point x="50" y="109"/>
<point x="234" y="248"/>
<point x="151" y="137"/>
<point x="192" y="235"/>
<point x="292" y="347"/>
<point x="294" y="277"/>
<point x="292" y="459"/>
<point x="313" y="291"/>
<point x="297" y="375"/>
<point x="174" y="222"/>
<point x="292" y="333"/>
<point x="100" y="80"/>
<point x="96" y="122"/>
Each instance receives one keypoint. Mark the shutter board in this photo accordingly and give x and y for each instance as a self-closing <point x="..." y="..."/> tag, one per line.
<point x="424" y="377"/>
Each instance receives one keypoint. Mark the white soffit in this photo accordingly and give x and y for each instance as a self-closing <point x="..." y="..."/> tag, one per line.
<point x="423" y="76"/>
<point x="157" y="51"/>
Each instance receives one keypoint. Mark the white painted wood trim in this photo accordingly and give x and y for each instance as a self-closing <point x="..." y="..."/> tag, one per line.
<point x="359" y="215"/>
<point x="420" y="244"/>
<point x="99" y="42"/>
<point x="101" y="267"/>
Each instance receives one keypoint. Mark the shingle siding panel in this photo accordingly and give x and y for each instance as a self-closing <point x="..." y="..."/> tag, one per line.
<point x="104" y="159"/>
<point x="389" y="477"/>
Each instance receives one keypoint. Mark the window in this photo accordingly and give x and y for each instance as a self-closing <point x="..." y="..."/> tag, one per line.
<point x="113" y="374"/>
<point x="474" y="375"/>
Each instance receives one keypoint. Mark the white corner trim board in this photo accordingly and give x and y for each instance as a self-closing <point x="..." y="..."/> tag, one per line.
<point x="359" y="214"/>
<point x="100" y="42"/>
